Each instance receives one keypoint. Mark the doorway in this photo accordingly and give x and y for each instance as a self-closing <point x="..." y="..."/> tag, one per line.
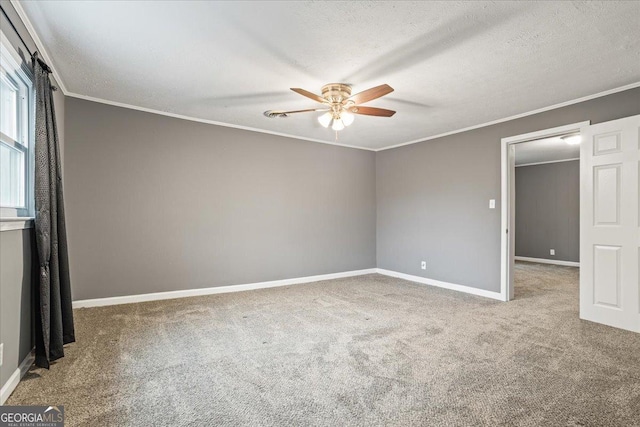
<point x="534" y="149"/>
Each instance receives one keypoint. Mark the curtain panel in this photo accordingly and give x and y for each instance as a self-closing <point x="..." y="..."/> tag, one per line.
<point x="53" y="310"/>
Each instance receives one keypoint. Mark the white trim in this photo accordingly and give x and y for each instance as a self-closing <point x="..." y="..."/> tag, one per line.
<point x="23" y="16"/>
<point x="8" y="224"/>
<point x="156" y="296"/>
<point x="39" y="45"/>
<point x="15" y="378"/>
<point x="24" y="141"/>
<point x="519" y="116"/>
<point x="440" y="284"/>
<point x="545" y="133"/>
<point x="548" y="162"/>
<point x="252" y="129"/>
<point x="506" y="249"/>
<point x="548" y="261"/>
<point x="209" y="122"/>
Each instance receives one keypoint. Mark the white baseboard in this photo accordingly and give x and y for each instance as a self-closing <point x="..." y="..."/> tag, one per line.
<point x="15" y="378"/>
<point x="440" y="284"/>
<point x="548" y="261"/>
<point x="128" y="299"/>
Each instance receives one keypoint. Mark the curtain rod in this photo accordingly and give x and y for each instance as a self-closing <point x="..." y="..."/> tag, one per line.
<point x="16" y="31"/>
<point x="26" y="46"/>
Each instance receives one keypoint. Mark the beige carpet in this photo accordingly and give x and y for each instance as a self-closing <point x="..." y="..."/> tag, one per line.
<point x="370" y="350"/>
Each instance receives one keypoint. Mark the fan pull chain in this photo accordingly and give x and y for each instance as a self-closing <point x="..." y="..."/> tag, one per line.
<point x="336" y="136"/>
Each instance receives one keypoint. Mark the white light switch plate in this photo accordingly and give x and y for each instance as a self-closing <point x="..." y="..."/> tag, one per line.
<point x="423" y="265"/>
<point x="492" y="204"/>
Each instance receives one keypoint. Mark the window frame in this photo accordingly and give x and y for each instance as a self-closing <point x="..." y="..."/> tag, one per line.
<point x="14" y="68"/>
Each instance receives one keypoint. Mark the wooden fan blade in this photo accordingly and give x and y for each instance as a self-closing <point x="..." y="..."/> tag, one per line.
<point x="371" y="94"/>
<point x="309" y="95"/>
<point x="371" y="111"/>
<point x="278" y="113"/>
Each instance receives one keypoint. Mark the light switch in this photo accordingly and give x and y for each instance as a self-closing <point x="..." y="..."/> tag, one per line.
<point x="492" y="204"/>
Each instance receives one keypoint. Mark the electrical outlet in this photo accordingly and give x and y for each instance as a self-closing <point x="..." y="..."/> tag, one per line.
<point x="423" y="265"/>
<point x="1" y="353"/>
<point x="552" y="252"/>
<point x="492" y="203"/>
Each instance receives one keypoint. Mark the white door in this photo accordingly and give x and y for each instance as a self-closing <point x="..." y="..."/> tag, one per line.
<point x="610" y="224"/>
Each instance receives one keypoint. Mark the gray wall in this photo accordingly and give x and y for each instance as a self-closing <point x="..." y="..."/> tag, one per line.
<point x="17" y="246"/>
<point x="433" y="197"/>
<point x="16" y="273"/>
<point x="548" y="211"/>
<point x="162" y="204"/>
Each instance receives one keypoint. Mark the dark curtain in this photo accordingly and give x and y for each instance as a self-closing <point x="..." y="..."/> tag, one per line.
<point x="54" y="314"/>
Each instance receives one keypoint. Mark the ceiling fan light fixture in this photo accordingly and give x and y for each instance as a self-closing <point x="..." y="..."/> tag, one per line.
<point x="337" y="125"/>
<point x="347" y="118"/>
<point x="339" y="105"/>
<point x="325" y="119"/>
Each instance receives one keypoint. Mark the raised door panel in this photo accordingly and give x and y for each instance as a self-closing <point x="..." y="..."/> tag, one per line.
<point x="606" y="276"/>
<point x="606" y="197"/>
<point x="607" y="143"/>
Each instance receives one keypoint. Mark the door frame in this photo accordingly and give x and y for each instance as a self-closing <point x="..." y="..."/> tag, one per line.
<point x="507" y="204"/>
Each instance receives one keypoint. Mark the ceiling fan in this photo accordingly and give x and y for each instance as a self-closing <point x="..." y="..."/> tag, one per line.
<point x="340" y="105"/>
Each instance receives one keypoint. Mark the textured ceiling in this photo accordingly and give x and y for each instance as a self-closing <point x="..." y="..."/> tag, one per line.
<point x="453" y="64"/>
<point x="545" y="150"/>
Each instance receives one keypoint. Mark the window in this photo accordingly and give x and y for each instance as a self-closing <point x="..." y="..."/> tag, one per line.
<point x="16" y="134"/>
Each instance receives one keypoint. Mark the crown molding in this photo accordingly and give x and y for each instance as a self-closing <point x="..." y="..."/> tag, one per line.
<point x="518" y="116"/>
<point x="30" y="28"/>
<point x="39" y="45"/>
<point x="45" y="55"/>
<point x="210" y="122"/>
<point x="213" y="122"/>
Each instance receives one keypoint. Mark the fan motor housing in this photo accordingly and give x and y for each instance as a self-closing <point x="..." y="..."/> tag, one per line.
<point x="336" y="92"/>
